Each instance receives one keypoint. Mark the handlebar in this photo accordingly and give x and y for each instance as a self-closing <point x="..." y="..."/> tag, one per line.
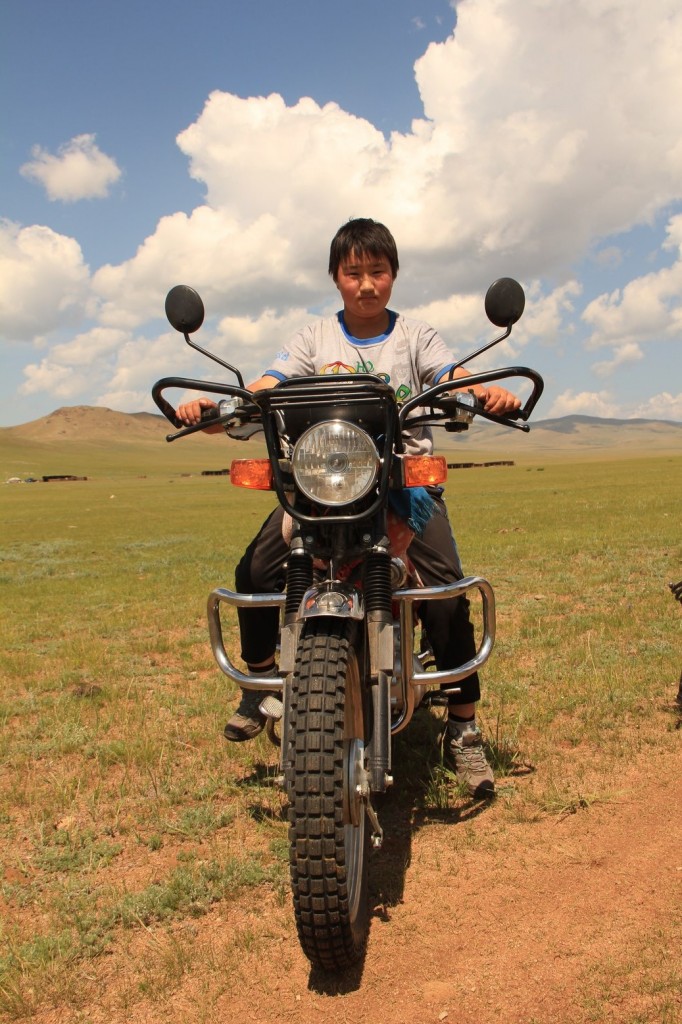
<point x="439" y="396"/>
<point x="444" y="388"/>
<point x="207" y="415"/>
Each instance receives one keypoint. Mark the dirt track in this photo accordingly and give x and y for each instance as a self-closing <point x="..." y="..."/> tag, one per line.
<point x="572" y="918"/>
<point x="531" y="930"/>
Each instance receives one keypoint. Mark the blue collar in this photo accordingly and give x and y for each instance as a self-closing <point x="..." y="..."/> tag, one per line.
<point x="392" y="317"/>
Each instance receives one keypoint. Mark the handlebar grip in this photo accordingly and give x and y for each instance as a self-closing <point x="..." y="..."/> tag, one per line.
<point x="211" y="413"/>
<point x="168" y="411"/>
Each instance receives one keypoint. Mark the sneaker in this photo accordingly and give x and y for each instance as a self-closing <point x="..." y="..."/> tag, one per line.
<point x="466" y="754"/>
<point x="248" y="720"/>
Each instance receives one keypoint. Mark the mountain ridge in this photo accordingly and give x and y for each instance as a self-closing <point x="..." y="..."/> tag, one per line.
<point x="97" y="424"/>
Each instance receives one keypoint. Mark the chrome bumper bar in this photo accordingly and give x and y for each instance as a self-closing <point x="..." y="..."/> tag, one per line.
<point x="215" y="632"/>
<point x="411" y="676"/>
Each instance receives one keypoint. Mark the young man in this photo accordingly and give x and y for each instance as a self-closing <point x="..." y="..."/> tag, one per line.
<point x="366" y="336"/>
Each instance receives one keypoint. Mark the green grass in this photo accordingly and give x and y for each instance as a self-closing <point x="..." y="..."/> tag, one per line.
<point x="121" y="807"/>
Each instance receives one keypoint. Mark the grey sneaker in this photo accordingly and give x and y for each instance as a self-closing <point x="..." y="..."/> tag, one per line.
<point x="248" y="720"/>
<point x="465" y="753"/>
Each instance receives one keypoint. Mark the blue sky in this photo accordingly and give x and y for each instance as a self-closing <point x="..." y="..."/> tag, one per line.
<point x="221" y="144"/>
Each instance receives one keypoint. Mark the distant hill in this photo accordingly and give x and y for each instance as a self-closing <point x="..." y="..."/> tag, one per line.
<point x="91" y="423"/>
<point x="575" y="434"/>
<point x="96" y="442"/>
<point x="580" y="434"/>
<point x="572" y="424"/>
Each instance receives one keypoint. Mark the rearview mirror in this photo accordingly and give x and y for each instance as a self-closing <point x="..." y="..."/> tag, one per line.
<point x="184" y="309"/>
<point x="504" y="302"/>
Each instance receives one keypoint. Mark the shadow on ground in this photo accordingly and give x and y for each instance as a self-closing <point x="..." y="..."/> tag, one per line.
<point x="411" y="804"/>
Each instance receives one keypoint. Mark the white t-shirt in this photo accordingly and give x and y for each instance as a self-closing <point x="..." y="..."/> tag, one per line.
<point x="410" y="357"/>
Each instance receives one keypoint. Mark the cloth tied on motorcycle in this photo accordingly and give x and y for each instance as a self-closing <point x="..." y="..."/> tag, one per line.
<point x="413" y="504"/>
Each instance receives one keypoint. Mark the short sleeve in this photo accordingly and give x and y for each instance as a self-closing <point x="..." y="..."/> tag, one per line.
<point x="432" y="356"/>
<point x="297" y="357"/>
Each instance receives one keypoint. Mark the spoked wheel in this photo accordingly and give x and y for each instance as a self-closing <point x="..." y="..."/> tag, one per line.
<point x="328" y="830"/>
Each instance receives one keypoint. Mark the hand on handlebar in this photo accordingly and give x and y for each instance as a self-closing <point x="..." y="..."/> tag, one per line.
<point x="190" y="412"/>
<point x="497" y="400"/>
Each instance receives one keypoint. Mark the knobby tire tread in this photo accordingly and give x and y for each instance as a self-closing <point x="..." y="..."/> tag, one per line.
<point x="331" y="935"/>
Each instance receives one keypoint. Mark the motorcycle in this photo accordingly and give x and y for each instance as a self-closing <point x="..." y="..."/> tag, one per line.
<point x="349" y="676"/>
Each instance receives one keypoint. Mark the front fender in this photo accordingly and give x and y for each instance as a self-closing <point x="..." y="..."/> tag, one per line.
<point x="334" y="600"/>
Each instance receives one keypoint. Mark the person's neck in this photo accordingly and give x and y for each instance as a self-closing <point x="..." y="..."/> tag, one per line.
<point x="367" y="327"/>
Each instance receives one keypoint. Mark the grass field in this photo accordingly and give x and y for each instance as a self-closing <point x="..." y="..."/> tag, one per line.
<point x="121" y="807"/>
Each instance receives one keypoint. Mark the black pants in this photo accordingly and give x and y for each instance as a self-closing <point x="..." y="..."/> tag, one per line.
<point x="436" y="559"/>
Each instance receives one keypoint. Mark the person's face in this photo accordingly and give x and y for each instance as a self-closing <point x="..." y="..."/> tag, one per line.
<point x="365" y="284"/>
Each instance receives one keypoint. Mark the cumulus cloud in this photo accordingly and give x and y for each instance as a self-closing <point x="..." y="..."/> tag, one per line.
<point x="660" y="407"/>
<point x="664" y="406"/>
<point x="43" y="281"/>
<point x="114" y="365"/>
<point x="585" y="403"/>
<point x="647" y="308"/>
<point x="80" y="170"/>
<point x="251" y="342"/>
<point x="546" y="131"/>
<point x="236" y="267"/>
<point x="622" y="355"/>
<point x="68" y="370"/>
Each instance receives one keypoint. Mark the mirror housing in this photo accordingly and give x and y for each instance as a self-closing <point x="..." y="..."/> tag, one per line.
<point x="504" y="302"/>
<point x="184" y="309"/>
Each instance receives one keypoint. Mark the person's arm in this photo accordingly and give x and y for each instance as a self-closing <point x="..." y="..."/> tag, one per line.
<point x="190" y="412"/>
<point x="495" y="399"/>
<point x="435" y="365"/>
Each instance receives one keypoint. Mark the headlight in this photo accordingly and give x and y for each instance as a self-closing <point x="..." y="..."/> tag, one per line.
<point x="335" y="463"/>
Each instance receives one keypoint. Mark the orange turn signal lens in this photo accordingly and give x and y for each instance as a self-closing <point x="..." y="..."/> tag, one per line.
<point x="253" y="473"/>
<point x="424" y="470"/>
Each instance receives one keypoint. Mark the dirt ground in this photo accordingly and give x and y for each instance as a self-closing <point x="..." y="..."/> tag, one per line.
<point x="571" y="918"/>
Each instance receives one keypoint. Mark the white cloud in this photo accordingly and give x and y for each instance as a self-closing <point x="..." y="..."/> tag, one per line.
<point x="80" y="170"/>
<point x="234" y="266"/>
<point x="248" y="343"/>
<point x="647" y="308"/>
<point x="557" y="114"/>
<point x="462" y="323"/>
<point x="622" y="356"/>
<point x="664" y="406"/>
<point x="519" y="169"/>
<point x="71" y="368"/>
<point x="587" y="403"/>
<point x="660" y="407"/>
<point x="106" y="362"/>
<point x="43" y="281"/>
<point x="548" y="316"/>
<point x="547" y="130"/>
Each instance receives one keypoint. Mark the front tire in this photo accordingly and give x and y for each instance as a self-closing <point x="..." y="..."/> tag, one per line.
<point x="328" y="828"/>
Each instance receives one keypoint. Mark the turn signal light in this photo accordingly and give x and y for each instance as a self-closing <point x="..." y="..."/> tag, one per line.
<point x="253" y="473"/>
<point x="424" y="470"/>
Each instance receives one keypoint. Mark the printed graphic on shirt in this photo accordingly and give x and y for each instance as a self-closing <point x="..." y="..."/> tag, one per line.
<point x="338" y="367"/>
<point x="402" y="392"/>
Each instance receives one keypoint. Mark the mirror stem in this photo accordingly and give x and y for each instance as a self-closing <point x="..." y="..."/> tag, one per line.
<point x="216" y="359"/>
<point x="480" y="351"/>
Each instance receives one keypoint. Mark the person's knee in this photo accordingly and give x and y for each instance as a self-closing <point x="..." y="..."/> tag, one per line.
<point x="257" y="573"/>
<point x="242" y="577"/>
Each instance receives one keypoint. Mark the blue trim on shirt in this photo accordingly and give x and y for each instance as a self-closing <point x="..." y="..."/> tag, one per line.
<point x="392" y="317"/>
<point x="275" y="373"/>
<point x="441" y="373"/>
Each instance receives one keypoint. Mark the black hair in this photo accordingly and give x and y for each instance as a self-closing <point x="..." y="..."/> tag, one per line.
<point x="364" y="237"/>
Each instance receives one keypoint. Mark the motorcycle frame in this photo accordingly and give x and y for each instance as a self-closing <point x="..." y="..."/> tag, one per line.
<point x="395" y="675"/>
<point x="403" y="684"/>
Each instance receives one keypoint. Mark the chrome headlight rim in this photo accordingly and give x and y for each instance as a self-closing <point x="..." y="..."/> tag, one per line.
<point x="321" y="495"/>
